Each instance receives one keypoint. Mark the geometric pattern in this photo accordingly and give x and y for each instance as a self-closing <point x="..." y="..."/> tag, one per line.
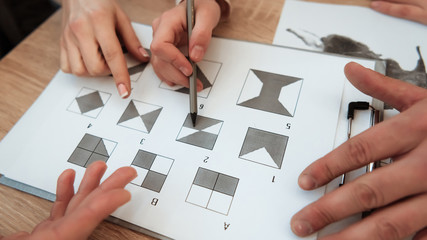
<point x="91" y="149"/>
<point x="89" y="102"/>
<point x="212" y="190"/>
<point x="140" y="116"/>
<point x="207" y="72"/>
<point x="271" y="92"/>
<point x="264" y="147"/>
<point x="152" y="170"/>
<point x="136" y="71"/>
<point x="203" y="135"/>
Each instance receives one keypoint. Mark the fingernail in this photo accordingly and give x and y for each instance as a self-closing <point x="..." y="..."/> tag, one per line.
<point x="185" y="71"/>
<point x="122" y="90"/>
<point x="197" y="53"/>
<point x="143" y="52"/>
<point x="302" y="228"/>
<point x="306" y="181"/>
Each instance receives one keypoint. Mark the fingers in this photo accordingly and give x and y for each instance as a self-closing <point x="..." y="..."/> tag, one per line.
<point x="387" y="139"/>
<point x="119" y="178"/>
<point x="90" y="182"/>
<point x="382" y="187"/>
<point x="74" y="57"/>
<point x="100" y="203"/>
<point x="88" y="47"/>
<point x="398" y="94"/>
<point x="208" y="14"/>
<point x="63" y="57"/>
<point x="130" y="39"/>
<point x="394" y="222"/>
<point x="64" y="193"/>
<point x="410" y="10"/>
<point x="81" y="222"/>
<point x="169" y="34"/>
<point x="113" y="55"/>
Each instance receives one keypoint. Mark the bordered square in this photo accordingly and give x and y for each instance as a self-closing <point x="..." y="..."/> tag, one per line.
<point x="271" y="92"/>
<point x="212" y="190"/>
<point x="92" y="148"/>
<point x="264" y="147"/>
<point x="203" y="135"/>
<point x="89" y="102"/>
<point x="207" y="72"/>
<point x="140" y="116"/>
<point x="152" y="170"/>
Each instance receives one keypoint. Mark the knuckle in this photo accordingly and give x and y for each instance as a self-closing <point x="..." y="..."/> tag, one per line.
<point x="322" y="216"/>
<point x="76" y="25"/>
<point x="404" y="12"/>
<point x="155" y="47"/>
<point x="367" y="196"/>
<point x="99" y="15"/>
<point x="359" y="151"/>
<point x="386" y="229"/>
<point x="204" y="33"/>
<point x="327" y="171"/>
<point x="79" y="71"/>
<point x="110" y="54"/>
<point x="65" y="68"/>
<point x="97" y="69"/>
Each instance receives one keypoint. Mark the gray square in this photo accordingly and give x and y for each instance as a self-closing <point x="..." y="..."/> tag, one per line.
<point x="89" y="102"/>
<point x="226" y="184"/>
<point x="96" y="157"/>
<point x="144" y="159"/>
<point x="89" y="142"/>
<point x="154" y="181"/>
<point x="79" y="157"/>
<point x="206" y="178"/>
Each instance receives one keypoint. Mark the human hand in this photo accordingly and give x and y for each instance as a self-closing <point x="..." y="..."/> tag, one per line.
<point x="90" y="45"/>
<point x="414" y="10"/>
<point x="75" y="216"/>
<point x="170" y="32"/>
<point x="398" y="191"/>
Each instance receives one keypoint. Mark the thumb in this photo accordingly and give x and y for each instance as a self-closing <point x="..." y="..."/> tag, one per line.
<point x="207" y="17"/>
<point x="399" y="94"/>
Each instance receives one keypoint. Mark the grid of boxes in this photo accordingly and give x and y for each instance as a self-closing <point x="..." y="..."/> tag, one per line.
<point x="90" y="149"/>
<point x="212" y="190"/>
<point x="152" y="170"/>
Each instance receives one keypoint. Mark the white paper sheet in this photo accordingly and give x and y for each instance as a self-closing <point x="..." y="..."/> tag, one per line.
<point x="233" y="178"/>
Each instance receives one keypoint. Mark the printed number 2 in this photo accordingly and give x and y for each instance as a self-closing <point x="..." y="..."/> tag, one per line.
<point x="206" y="159"/>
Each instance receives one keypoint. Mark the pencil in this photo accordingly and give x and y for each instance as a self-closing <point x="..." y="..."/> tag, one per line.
<point x="193" y="76"/>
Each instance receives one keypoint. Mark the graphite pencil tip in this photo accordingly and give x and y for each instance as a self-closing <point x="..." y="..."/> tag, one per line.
<point x="193" y="118"/>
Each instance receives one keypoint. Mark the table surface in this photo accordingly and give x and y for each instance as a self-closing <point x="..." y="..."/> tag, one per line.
<point x="28" y="68"/>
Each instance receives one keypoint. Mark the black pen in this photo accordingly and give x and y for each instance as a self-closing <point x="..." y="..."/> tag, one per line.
<point x="193" y="76"/>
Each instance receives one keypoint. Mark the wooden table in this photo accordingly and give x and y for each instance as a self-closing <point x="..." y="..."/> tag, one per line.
<point x="26" y="71"/>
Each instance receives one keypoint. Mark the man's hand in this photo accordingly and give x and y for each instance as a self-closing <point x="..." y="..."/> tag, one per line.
<point x="398" y="191"/>
<point x="414" y="10"/>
